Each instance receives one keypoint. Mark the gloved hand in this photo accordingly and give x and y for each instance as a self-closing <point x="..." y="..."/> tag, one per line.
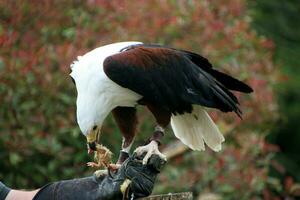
<point x="139" y="179"/>
<point x="133" y="180"/>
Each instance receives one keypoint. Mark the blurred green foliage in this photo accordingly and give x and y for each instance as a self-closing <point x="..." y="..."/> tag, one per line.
<point x="40" y="140"/>
<point x="279" y="21"/>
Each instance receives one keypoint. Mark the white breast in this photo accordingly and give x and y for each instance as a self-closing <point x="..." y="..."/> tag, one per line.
<point x="97" y="95"/>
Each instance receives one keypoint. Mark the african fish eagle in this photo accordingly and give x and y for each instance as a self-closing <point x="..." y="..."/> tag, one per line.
<point x="175" y="85"/>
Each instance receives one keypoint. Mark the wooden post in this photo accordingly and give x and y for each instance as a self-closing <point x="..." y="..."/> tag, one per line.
<point x="171" y="196"/>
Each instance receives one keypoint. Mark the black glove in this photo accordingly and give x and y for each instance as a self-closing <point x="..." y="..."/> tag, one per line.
<point x="141" y="177"/>
<point x="133" y="180"/>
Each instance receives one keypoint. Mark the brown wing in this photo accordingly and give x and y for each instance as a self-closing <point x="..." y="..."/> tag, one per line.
<point x="168" y="78"/>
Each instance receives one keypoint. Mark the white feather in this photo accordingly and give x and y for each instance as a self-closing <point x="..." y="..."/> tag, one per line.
<point x="196" y="128"/>
<point x="97" y="95"/>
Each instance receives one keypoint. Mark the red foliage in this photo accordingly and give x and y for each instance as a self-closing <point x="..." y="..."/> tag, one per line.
<point x="39" y="40"/>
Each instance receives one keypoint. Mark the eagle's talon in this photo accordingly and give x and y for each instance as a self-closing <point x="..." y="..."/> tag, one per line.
<point x="151" y="148"/>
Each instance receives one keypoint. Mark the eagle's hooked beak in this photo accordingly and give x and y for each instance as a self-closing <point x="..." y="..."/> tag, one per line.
<point x="92" y="139"/>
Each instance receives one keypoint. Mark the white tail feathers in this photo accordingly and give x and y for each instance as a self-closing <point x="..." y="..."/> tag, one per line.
<point x="195" y="128"/>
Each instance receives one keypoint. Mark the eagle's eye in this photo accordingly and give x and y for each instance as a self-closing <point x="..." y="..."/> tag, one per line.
<point x="94" y="128"/>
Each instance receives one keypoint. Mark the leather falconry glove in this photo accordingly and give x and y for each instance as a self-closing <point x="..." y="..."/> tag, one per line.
<point x="133" y="180"/>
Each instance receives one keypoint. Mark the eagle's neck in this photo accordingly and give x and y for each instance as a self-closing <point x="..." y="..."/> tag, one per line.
<point x="97" y="95"/>
<point x="99" y="99"/>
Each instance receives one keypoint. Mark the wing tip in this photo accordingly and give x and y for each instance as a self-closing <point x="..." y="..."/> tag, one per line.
<point x="247" y="89"/>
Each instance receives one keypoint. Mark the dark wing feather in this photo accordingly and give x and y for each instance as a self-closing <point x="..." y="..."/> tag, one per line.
<point x="228" y="81"/>
<point x="168" y="78"/>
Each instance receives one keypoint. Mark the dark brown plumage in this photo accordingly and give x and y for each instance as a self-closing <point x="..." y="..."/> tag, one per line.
<point x="170" y="81"/>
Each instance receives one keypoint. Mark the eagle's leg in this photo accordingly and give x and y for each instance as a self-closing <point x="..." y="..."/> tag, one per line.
<point x="162" y="117"/>
<point x="124" y="153"/>
<point x="126" y="119"/>
<point x="126" y="146"/>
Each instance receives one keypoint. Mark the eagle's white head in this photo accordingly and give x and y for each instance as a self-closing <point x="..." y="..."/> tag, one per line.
<point x="97" y="95"/>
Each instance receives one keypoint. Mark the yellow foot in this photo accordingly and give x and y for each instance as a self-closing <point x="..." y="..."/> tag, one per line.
<point x="149" y="149"/>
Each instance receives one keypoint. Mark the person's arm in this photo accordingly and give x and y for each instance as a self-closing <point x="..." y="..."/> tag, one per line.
<point x="19" y="194"/>
<point x="132" y="180"/>
<point x="7" y="193"/>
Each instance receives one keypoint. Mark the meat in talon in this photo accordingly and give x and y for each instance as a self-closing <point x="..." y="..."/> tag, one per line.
<point x="114" y="167"/>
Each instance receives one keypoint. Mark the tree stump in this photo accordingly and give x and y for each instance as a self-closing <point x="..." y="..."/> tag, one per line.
<point x="171" y="196"/>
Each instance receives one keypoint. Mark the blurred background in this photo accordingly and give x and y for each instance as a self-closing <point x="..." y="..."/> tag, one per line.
<point x="255" y="41"/>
